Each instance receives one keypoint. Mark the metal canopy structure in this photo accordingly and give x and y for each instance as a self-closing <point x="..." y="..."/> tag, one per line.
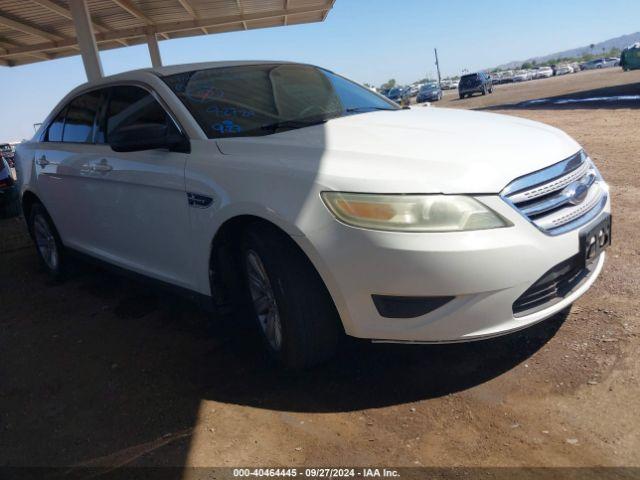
<point x="40" y="30"/>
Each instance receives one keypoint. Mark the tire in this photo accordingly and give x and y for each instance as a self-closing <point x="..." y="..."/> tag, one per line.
<point x="295" y="314"/>
<point x="50" y="249"/>
<point x="462" y="96"/>
<point x="490" y="90"/>
<point x="484" y="90"/>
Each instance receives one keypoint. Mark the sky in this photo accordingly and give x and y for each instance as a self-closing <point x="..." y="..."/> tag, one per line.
<point x="366" y="40"/>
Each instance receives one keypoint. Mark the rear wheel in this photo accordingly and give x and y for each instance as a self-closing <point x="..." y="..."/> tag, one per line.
<point x="48" y="244"/>
<point x="484" y="90"/>
<point x="293" y="310"/>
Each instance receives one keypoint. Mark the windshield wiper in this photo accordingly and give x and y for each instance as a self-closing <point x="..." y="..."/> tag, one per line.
<point x="291" y="124"/>
<point x="366" y="109"/>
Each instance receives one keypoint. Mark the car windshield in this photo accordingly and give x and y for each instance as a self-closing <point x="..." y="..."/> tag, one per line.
<point x="253" y="100"/>
<point x="394" y="92"/>
<point x="429" y="86"/>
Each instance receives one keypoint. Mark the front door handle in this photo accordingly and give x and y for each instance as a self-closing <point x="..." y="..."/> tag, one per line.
<point x="42" y="161"/>
<point x="102" y="167"/>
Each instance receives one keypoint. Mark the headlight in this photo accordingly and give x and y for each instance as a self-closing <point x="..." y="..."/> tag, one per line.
<point x="412" y="213"/>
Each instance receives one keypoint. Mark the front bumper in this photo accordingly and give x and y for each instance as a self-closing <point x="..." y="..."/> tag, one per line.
<point x="427" y="98"/>
<point x="485" y="271"/>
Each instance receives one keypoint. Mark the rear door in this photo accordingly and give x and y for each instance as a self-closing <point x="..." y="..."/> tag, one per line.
<point x="62" y="160"/>
<point x="136" y="201"/>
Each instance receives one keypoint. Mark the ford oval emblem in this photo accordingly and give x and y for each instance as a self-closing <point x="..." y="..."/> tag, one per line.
<point x="576" y="192"/>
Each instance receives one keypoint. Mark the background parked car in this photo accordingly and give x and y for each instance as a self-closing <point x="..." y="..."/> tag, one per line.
<point x="399" y="95"/>
<point x="9" y="205"/>
<point x="543" y="72"/>
<point x="429" y="92"/>
<point x="506" y="77"/>
<point x="521" y="76"/>
<point x="563" y="69"/>
<point x="599" y="63"/>
<point x="447" y="85"/>
<point x="479" y="82"/>
<point x="6" y="152"/>
<point x="630" y="58"/>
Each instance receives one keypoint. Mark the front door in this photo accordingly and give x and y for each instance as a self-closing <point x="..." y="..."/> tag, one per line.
<point x="137" y="200"/>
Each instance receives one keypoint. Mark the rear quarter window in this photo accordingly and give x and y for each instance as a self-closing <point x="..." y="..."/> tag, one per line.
<point x="54" y="132"/>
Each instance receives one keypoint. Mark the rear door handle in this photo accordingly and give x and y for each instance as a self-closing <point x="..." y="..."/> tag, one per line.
<point x="42" y="161"/>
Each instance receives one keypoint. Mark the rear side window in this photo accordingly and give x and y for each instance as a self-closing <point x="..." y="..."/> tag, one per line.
<point x="131" y="106"/>
<point x="78" y="126"/>
<point x="54" y="134"/>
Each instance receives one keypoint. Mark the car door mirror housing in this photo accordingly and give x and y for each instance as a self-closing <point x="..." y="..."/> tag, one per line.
<point x="149" y="136"/>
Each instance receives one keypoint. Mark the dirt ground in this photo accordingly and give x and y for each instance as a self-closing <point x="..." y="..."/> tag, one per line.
<point x="102" y="371"/>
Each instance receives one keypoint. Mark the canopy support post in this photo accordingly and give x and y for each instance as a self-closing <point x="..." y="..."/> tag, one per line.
<point x="86" y="39"/>
<point x="154" y="50"/>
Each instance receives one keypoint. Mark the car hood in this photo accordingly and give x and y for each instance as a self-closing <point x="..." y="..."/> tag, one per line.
<point x="422" y="150"/>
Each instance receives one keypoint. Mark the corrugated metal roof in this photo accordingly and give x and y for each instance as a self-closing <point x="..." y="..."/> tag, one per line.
<point x="38" y="30"/>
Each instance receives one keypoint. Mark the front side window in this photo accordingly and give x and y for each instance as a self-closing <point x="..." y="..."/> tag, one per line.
<point x="131" y="107"/>
<point x="263" y="99"/>
<point x="78" y="126"/>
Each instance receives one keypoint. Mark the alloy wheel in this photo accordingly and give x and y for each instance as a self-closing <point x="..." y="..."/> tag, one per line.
<point x="264" y="300"/>
<point x="46" y="242"/>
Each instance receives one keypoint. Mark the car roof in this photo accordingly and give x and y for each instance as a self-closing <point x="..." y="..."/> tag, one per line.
<point x="182" y="68"/>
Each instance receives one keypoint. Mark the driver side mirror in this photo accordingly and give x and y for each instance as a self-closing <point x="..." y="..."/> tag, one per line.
<point x="148" y="136"/>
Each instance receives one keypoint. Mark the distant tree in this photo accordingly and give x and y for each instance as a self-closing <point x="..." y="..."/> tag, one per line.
<point x="526" y="66"/>
<point x="592" y="46"/>
<point x="389" y="84"/>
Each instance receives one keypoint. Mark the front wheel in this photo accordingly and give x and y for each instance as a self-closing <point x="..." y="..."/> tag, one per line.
<point x="294" y="312"/>
<point x="48" y="244"/>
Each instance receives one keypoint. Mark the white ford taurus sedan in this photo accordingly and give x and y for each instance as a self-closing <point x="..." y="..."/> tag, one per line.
<point x="324" y="206"/>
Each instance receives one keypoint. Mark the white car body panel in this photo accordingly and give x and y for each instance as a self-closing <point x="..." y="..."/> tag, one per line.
<point x="419" y="150"/>
<point x="136" y="216"/>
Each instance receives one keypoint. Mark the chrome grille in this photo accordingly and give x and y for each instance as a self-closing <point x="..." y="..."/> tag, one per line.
<point x="561" y="197"/>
